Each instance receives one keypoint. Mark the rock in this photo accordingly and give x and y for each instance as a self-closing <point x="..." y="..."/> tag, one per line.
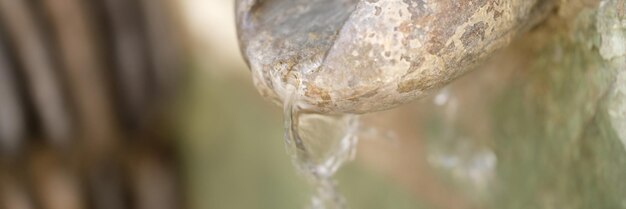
<point x="351" y="56"/>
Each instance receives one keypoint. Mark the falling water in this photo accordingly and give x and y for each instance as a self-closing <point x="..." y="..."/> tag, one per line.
<point x="318" y="146"/>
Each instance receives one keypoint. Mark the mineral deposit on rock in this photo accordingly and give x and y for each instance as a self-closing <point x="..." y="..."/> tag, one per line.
<point x="355" y="56"/>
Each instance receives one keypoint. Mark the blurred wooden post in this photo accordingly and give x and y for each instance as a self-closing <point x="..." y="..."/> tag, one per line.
<point x="11" y="116"/>
<point x="82" y="91"/>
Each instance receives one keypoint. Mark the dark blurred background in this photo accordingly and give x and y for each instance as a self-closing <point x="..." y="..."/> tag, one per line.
<point x="85" y="95"/>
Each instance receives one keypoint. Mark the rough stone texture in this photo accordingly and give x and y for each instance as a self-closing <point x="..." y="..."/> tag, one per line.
<point x="554" y="141"/>
<point x="612" y="28"/>
<point x="366" y="55"/>
<point x="556" y="125"/>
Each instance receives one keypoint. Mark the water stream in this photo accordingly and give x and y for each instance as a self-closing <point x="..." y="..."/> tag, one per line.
<point x="318" y="146"/>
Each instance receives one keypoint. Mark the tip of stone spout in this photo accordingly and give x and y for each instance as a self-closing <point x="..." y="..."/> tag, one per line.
<point x="355" y="56"/>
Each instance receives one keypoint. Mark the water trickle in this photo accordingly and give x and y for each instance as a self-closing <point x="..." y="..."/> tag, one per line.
<point x="318" y="146"/>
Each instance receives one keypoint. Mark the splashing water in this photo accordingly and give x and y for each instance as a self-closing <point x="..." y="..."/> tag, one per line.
<point x="318" y="146"/>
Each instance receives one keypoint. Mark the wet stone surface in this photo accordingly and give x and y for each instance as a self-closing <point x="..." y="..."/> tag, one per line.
<point x="352" y="56"/>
